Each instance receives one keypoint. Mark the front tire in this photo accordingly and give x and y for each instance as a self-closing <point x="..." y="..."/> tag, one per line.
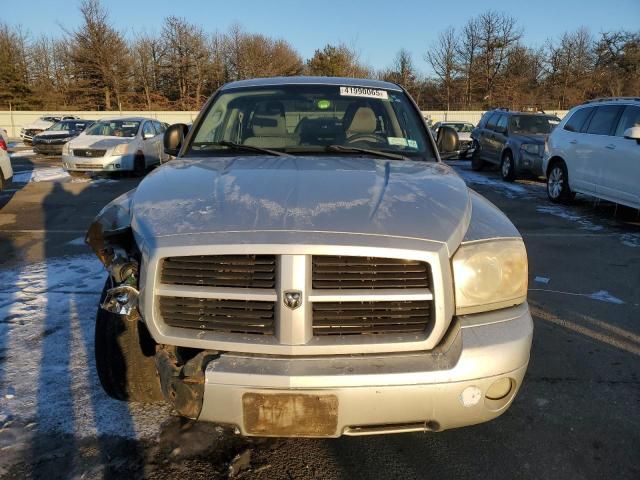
<point x="477" y="163"/>
<point x="124" y="352"/>
<point x="558" y="189"/>
<point x="139" y="165"/>
<point x="507" y="167"/>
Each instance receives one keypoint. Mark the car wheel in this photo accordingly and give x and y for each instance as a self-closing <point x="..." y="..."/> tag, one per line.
<point x="477" y="163"/>
<point x="139" y="165"/>
<point x="124" y="352"/>
<point x="558" y="189"/>
<point x="507" y="168"/>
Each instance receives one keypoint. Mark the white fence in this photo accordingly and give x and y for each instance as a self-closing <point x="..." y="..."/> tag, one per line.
<point x="13" y="121"/>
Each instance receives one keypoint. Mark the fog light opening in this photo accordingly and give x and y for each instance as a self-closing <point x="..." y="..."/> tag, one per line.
<point x="500" y="389"/>
<point x="117" y="165"/>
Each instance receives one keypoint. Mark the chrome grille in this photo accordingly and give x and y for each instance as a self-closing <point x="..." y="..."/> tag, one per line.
<point x="233" y="271"/>
<point x="230" y="316"/>
<point x="87" y="152"/>
<point x="371" y="318"/>
<point x="341" y="272"/>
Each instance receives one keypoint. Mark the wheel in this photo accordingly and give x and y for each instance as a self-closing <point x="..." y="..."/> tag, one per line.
<point x="477" y="163"/>
<point x="558" y="189"/>
<point x="139" y="165"/>
<point x="124" y="352"/>
<point x="507" y="167"/>
<point x="463" y="155"/>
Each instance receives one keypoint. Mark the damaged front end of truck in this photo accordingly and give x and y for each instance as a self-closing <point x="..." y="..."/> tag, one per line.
<point x="152" y="372"/>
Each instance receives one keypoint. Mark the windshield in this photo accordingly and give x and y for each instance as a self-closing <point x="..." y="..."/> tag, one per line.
<point x="460" y="127"/>
<point x="301" y="119"/>
<point x="114" y="128"/>
<point x="532" y="124"/>
<point x="68" y="126"/>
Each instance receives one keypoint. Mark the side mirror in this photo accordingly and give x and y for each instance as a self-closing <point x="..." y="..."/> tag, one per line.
<point x="633" y="133"/>
<point x="448" y="141"/>
<point x="502" y="130"/>
<point x="147" y="135"/>
<point x="173" y="138"/>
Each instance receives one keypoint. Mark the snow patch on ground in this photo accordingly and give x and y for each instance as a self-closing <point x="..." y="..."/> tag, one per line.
<point x="604" y="296"/>
<point x="630" y="239"/>
<point x="47" y="369"/>
<point x="48" y="174"/>
<point x="562" y="212"/>
<point x="510" y="190"/>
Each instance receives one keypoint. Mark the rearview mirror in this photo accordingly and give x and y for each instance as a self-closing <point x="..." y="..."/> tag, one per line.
<point x="447" y="141"/>
<point x="173" y="138"/>
<point x="633" y="133"/>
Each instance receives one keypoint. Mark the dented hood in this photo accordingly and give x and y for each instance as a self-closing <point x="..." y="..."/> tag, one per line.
<point x="420" y="200"/>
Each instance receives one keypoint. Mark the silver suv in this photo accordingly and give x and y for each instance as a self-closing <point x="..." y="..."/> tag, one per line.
<point x="307" y="266"/>
<point x="596" y="151"/>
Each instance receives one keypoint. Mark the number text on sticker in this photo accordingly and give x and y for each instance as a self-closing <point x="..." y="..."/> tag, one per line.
<point x="363" y="92"/>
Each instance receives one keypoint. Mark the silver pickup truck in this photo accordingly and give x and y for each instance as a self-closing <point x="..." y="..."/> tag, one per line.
<point x="307" y="266"/>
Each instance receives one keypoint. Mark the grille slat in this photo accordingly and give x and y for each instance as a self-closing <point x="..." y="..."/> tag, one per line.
<point x="374" y="318"/>
<point x="229" y="316"/>
<point x="235" y="271"/>
<point x="340" y="272"/>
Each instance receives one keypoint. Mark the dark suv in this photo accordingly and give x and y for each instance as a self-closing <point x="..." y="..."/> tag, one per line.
<point x="513" y="140"/>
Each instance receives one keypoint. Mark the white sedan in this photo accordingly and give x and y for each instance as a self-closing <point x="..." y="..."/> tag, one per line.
<point x="6" y="172"/>
<point x="116" y="145"/>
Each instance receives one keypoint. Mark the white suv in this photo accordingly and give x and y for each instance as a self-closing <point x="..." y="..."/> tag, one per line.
<point x="595" y="150"/>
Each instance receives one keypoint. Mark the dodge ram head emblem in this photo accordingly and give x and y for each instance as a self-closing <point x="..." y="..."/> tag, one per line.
<point x="293" y="299"/>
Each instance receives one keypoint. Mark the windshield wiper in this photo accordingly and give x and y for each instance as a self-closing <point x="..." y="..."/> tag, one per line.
<point x="379" y="153"/>
<point x="247" y="148"/>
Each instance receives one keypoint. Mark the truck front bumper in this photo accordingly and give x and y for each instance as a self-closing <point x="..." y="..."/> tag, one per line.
<point x="322" y="396"/>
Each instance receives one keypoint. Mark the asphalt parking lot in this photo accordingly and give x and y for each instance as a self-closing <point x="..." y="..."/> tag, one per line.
<point x="577" y="414"/>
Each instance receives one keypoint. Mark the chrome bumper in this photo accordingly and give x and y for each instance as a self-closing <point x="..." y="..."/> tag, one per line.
<point x="108" y="163"/>
<point x="436" y="390"/>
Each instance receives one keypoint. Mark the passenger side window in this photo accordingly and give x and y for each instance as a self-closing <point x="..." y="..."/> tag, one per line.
<point x="502" y="123"/>
<point x="603" y="120"/>
<point x="577" y="120"/>
<point x="630" y="118"/>
<point x="493" y="120"/>
<point x="159" y="127"/>
<point x="148" y="129"/>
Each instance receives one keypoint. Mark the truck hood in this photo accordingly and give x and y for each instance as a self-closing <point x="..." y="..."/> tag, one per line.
<point x="398" y="198"/>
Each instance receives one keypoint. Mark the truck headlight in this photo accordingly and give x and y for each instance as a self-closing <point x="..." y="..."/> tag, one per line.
<point x="490" y="275"/>
<point x="120" y="149"/>
<point x="532" y="148"/>
<point x="66" y="149"/>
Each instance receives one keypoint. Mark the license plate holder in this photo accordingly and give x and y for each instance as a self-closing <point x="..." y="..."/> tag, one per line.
<point x="290" y="414"/>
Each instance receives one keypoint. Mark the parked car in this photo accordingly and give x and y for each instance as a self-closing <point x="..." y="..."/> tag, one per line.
<point x="40" y="125"/>
<point x="6" y="172"/>
<point x="4" y="139"/>
<point x="307" y="266"/>
<point x="116" y="145"/>
<point x="464" y="130"/>
<point x="513" y="140"/>
<point x="51" y="141"/>
<point x="596" y="151"/>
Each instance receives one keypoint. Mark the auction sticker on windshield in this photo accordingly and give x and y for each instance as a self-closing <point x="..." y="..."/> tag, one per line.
<point x="363" y="92"/>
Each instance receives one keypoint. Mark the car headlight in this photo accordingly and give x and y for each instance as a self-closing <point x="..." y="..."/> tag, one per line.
<point x="66" y="149"/>
<point x="490" y="275"/>
<point x="532" y="148"/>
<point x="120" y="149"/>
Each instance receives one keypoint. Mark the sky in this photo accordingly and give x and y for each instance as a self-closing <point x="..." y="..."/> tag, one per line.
<point x="376" y="29"/>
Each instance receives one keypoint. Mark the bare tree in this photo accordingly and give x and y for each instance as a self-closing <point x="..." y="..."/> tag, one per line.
<point x="468" y="51"/>
<point x="498" y="33"/>
<point x="442" y="57"/>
